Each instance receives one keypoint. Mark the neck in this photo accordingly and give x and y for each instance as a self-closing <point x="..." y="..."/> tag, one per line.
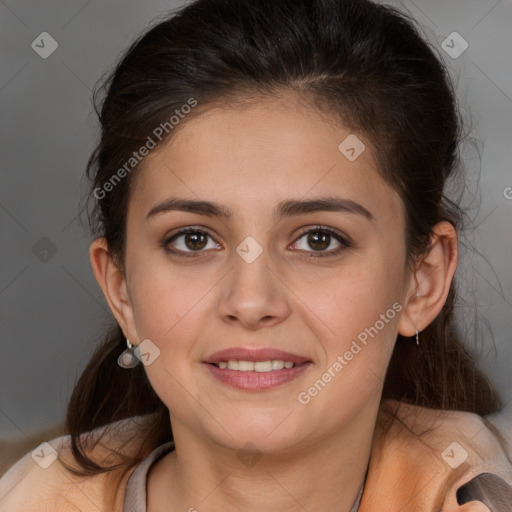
<point x="324" y="475"/>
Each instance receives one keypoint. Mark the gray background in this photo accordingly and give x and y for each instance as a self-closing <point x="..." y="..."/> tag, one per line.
<point x="53" y="312"/>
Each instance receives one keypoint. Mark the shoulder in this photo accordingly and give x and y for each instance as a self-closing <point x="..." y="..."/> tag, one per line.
<point x="435" y="426"/>
<point x="41" y="480"/>
<point x="425" y="455"/>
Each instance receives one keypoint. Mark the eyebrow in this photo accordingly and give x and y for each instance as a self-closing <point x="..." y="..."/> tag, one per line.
<point x="284" y="209"/>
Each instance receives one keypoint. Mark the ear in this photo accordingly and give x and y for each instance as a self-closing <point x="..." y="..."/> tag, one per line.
<point x="113" y="284"/>
<point x="431" y="280"/>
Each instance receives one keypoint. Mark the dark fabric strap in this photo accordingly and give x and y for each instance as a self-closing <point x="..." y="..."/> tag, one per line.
<point x="488" y="488"/>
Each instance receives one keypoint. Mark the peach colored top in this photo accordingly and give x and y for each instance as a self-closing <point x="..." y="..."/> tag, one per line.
<point x="135" y="494"/>
<point x="429" y="461"/>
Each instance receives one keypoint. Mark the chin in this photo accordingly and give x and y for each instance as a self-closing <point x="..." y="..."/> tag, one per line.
<point x="268" y="437"/>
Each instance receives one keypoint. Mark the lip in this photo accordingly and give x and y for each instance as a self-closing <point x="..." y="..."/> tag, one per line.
<point x="253" y="380"/>
<point x="256" y="381"/>
<point x="260" y="354"/>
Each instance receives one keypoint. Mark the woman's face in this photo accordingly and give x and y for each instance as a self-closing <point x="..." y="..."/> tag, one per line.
<point x="256" y="281"/>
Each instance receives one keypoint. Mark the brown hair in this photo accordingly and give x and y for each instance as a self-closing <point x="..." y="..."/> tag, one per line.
<point x="364" y="64"/>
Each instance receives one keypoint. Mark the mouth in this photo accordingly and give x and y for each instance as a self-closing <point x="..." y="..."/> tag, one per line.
<point x="256" y="369"/>
<point x="259" y="355"/>
<point x="255" y="366"/>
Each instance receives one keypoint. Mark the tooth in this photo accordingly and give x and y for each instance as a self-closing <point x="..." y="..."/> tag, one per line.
<point x="259" y="366"/>
<point x="233" y="365"/>
<point x="246" y="366"/>
<point x="263" y="366"/>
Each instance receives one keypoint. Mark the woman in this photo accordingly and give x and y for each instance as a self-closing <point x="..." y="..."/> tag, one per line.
<point x="273" y="240"/>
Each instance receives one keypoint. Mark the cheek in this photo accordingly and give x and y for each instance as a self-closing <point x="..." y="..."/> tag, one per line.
<point x="353" y="299"/>
<point x="161" y="297"/>
<point x="168" y="308"/>
<point x="164" y="292"/>
<point x="356" y="317"/>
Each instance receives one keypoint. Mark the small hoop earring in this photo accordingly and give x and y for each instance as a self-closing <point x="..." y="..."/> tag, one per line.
<point x="417" y="338"/>
<point x="128" y="359"/>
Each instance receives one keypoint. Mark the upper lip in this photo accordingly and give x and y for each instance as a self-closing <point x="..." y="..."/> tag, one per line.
<point x="260" y="354"/>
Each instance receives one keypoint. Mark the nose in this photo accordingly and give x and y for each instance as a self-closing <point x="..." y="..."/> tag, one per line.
<point x="254" y="294"/>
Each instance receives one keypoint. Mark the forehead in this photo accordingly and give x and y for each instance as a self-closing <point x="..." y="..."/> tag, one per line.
<point x="259" y="153"/>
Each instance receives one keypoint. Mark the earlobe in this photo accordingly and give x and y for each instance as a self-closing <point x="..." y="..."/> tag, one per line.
<point x="431" y="281"/>
<point x="113" y="284"/>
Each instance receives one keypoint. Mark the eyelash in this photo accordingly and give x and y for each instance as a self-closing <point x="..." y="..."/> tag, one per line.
<point x="345" y="244"/>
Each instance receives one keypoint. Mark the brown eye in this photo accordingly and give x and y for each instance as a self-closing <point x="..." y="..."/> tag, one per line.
<point x="195" y="241"/>
<point x="189" y="241"/>
<point x="318" y="240"/>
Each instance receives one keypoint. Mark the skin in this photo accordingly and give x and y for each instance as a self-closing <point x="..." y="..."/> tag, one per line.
<point x="250" y="159"/>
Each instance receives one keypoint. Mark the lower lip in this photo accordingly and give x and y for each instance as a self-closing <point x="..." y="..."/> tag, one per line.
<point x="257" y="381"/>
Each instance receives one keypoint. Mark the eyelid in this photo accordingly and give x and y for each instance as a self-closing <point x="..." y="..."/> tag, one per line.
<point x="344" y="240"/>
<point x="328" y="229"/>
<point x="183" y="231"/>
<point x="192" y="227"/>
